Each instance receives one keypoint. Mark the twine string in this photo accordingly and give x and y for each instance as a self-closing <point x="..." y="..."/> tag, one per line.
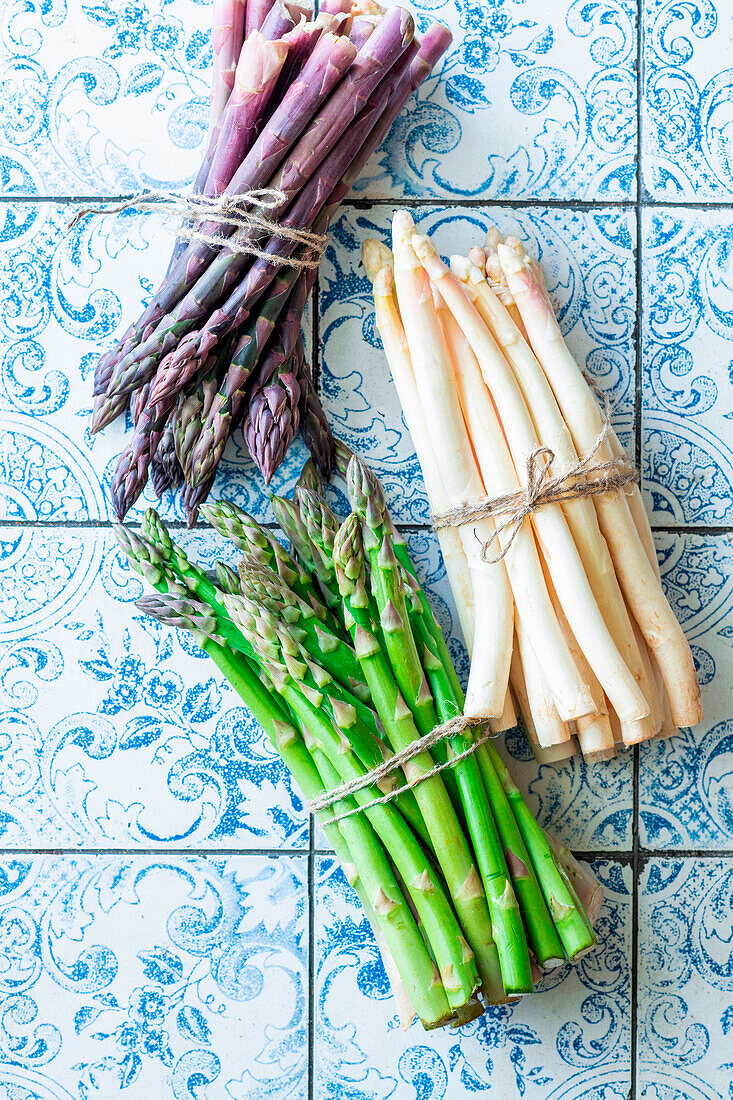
<point x="585" y="478"/>
<point x="397" y="760"/>
<point x="245" y="214"/>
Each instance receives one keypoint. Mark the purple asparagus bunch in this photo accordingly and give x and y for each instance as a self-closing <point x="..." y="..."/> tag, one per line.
<point x="298" y="104"/>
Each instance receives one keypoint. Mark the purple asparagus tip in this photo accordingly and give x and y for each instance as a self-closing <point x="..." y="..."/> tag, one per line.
<point x="192" y="497"/>
<point x="127" y="484"/>
<point x="165" y="469"/>
<point x="271" y="423"/>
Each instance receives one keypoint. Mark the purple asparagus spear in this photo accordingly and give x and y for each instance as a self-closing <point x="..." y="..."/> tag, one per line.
<point x="314" y="427"/>
<point x="335" y="7"/>
<point x="165" y="470"/>
<point x="257" y="73"/>
<point x="300" y="178"/>
<point x="256" y="14"/>
<point x="362" y="27"/>
<point x="227" y="36"/>
<point x="321" y="72"/>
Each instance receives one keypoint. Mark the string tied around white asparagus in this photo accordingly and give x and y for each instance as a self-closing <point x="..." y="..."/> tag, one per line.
<point x="245" y="213"/>
<point x="386" y="768"/>
<point x="585" y="478"/>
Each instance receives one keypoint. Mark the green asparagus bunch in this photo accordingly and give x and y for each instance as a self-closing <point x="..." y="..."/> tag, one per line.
<point x="335" y="649"/>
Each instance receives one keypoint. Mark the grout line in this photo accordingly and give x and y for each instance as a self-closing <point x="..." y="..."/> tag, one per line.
<point x="181" y="526"/>
<point x="208" y="853"/>
<point x="311" y="956"/>
<point x="459" y="201"/>
<point x="625" y="856"/>
<point x="691" y="529"/>
<point x="638" y="409"/>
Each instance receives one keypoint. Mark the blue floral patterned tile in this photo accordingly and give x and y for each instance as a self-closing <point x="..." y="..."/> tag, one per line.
<point x="153" y="977"/>
<point x="685" y="983"/>
<point x="64" y="294"/>
<point x="568" y="1041"/>
<point x="686" y="782"/>
<point x="587" y="807"/>
<point x="589" y="259"/>
<point x="111" y="96"/>
<point x="103" y="97"/>
<point x="116" y="732"/>
<point x="687" y="365"/>
<point x="532" y="101"/>
<point x="685" y="128"/>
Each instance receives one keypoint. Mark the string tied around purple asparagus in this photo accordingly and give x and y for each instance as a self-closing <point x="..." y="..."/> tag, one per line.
<point x="245" y="211"/>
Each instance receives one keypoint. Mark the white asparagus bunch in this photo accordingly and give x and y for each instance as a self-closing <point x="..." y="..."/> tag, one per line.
<point x="565" y="615"/>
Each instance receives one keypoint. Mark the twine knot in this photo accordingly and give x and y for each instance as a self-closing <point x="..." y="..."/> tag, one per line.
<point x="386" y="769"/>
<point x="585" y="478"/>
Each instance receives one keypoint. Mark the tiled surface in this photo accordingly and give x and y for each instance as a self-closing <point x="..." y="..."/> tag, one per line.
<point x="685" y="979"/>
<point x="171" y="927"/>
<point x="686" y="91"/>
<point x="105" y="989"/>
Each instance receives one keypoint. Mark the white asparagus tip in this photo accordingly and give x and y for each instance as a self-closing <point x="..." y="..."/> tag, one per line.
<point x="510" y="260"/>
<point x="477" y="256"/>
<point x="422" y="245"/>
<point x="513" y="241"/>
<point x="403" y="227"/>
<point x="375" y="256"/>
<point x="494" y="237"/>
<point x="466" y="270"/>
<point x="384" y="281"/>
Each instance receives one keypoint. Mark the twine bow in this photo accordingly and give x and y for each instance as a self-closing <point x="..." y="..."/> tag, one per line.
<point x="244" y="213"/>
<point x="541" y="488"/>
<point x="383" y="771"/>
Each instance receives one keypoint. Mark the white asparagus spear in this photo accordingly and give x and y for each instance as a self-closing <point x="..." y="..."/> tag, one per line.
<point x="637" y="509"/>
<point x="549" y="726"/>
<point x="496" y="278"/>
<point x="559" y="550"/>
<point x="653" y="691"/>
<point x="378" y="263"/>
<point x="483" y="438"/>
<point x="507" y="720"/>
<point x="553" y="753"/>
<point x="492" y="600"/>
<point x="615" y="725"/>
<point x="644" y="531"/>
<point x="638" y="580"/>
<point x="593" y="731"/>
<point x="580" y="513"/>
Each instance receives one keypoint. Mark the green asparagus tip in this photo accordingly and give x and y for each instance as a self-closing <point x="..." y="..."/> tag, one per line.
<point x="180" y="611"/>
<point x="154" y="530"/>
<point x="348" y="555"/>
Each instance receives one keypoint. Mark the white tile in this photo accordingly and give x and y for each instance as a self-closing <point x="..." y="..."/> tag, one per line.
<point x="685" y="1011"/>
<point x="686" y="415"/>
<point x="117" y="732"/>
<point x="686" y="789"/>
<point x="161" y="976"/>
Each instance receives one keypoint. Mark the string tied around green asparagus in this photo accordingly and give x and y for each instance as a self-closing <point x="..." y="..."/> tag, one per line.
<point x="246" y="214"/>
<point x="586" y="478"/>
<point x="453" y="728"/>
